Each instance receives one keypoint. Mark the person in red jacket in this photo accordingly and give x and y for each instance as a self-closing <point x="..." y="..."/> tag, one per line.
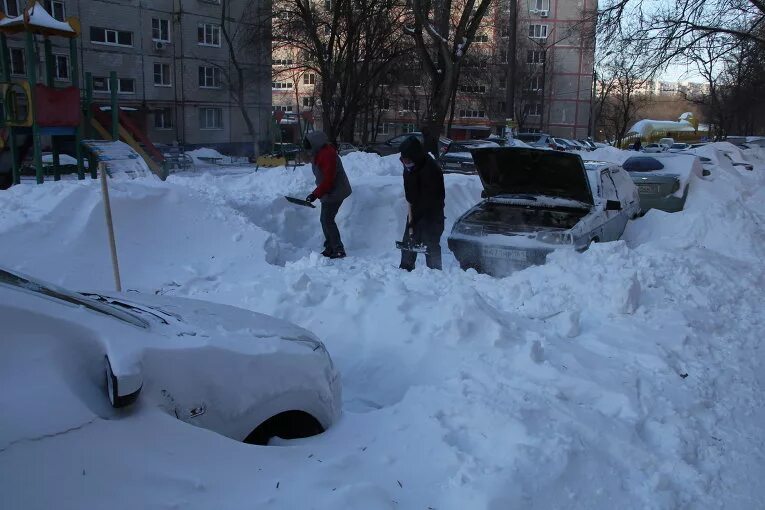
<point x="332" y="187"/>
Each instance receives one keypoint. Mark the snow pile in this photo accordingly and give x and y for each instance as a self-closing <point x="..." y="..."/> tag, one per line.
<point x="205" y="156"/>
<point x="627" y="376"/>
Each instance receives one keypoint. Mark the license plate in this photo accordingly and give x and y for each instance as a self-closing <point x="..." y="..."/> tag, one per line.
<point x="646" y="188"/>
<point x="504" y="253"/>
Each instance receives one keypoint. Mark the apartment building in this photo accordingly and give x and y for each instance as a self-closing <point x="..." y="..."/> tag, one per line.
<point x="172" y="63"/>
<point x="553" y="77"/>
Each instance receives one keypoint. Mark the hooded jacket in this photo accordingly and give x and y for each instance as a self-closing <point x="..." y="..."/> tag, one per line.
<point x="332" y="183"/>
<point x="424" y="184"/>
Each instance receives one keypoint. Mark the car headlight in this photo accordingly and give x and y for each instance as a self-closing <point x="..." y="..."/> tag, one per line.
<point x="555" y="237"/>
<point x="676" y="185"/>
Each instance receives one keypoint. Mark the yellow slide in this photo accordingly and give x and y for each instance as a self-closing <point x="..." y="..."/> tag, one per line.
<point x="153" y="165"/>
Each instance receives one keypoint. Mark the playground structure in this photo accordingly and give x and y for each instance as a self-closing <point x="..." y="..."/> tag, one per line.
<point x="32" y="110"/>
<point x="283" y="153"/>
<point x="685" y="129"/>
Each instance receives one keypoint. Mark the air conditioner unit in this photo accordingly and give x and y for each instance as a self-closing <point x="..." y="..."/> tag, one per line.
<point x="544" y="14"/>
<point x="159" y="45"/>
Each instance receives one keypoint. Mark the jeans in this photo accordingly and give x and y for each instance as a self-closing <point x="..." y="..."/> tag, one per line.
<point x="427" y="231"/>
<point x="332" y="239"/>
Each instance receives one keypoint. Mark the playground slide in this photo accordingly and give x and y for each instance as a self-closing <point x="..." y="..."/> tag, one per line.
<point x="130" y="134"/>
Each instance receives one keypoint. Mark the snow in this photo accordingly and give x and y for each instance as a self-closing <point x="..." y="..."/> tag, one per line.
<point x="629" y="376"/>
<point x="63" y="159"/>
<point x="202" y="156"/>
<point x="38" y="17"/>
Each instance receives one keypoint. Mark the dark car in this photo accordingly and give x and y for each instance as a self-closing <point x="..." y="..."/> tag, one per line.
<point x="537" y="140"/>
<point x="391" y="145"/>
<point x="538" y="201"/>
<point x="457" y="158"/>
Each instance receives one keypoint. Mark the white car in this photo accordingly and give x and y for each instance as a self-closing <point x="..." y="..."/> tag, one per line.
<point x="244" y="375"/>
<point x="538" y="201"/>
<point x="654" y="148"/>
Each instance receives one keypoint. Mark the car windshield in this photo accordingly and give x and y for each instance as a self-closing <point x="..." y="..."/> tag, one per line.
<point x="642" y="164"/>
<point x="678" y="146"/>
<point x="20" y="282"/>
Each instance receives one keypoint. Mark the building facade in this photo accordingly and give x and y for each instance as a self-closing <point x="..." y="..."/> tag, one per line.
<point x="555" y="49"/>
<point x="173" y="66"/>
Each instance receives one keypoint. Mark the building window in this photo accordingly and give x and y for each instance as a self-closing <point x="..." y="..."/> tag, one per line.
<point x="533" y="109"/>
<point x="535" y="57"/>
<point x="481" y="38"/>
<point x="535" y="83"/>
<point x="11" y="8"/>
<point x="473" y="89"/>
<point x="210" y="118"/>
<point x="18" y="62"/>
<point x="410" y="105"/>
<point x="62" y="67"/>
<point x="282" y="108"/>
<point x="384" y="128"/>
<point x="210" y="77"/>
<point x="328" y="5"/>
<point x="124" y="85"/>
<point x="111" y="37"/>
<point x="282" y="62"/>
<point x="208" y="34"/>
<point x="163" y="119"/>
<point x="309" y="102"/>
<point x="309" y="79"/>
<point x="537" y="31"/>
<point x="409" y="128"/>
<point x="160" y="30"/>
<point x="281" y="85"/>
<point x="472" y="114"/>
<point x="539" y="6"/>
<point x="162" y="75"/>
<point x="56" y="9"/>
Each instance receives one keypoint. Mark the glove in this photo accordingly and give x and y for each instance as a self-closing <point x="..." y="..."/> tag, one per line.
<point x="310" y="198"/>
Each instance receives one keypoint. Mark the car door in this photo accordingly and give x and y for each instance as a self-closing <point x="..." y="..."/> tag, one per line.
<point x="627" y="191"/>
<point x="614" y="221"/>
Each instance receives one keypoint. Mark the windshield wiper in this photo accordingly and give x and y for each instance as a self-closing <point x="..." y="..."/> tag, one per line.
<point x="114" y="302"/>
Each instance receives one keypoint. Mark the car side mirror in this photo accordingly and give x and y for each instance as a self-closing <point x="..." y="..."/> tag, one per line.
<point x="613" y="205"/>
<point x="121" y="390"/>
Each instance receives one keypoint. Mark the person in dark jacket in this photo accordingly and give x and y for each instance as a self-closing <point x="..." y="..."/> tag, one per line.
<point x="332" y="187"/>
<point x="638" y="145"/>
<point x="424" y="190"/>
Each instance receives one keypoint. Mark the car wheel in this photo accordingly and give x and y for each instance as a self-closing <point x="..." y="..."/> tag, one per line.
<point x="286" y="425"/>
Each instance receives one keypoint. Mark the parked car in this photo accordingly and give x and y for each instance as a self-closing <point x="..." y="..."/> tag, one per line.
<point x="538" y="140"/>
<point x="564" y="145"/>
<point x="667" y="142"/>
<point x="660" y="188"/>
<point x="654" y="148"/>
<point x="458" y="159"/>
<point x="736" y="162"/>
<point x="242" y="374"/>
<point x="391" y="145"/>
<point x="537" y="201"/>
<point x="589" y="144"/>
<point x="345" y="148"/>
<point x="677" y="147"/>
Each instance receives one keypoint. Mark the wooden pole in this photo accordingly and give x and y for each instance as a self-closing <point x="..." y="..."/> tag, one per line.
<point x="110" y="226"/>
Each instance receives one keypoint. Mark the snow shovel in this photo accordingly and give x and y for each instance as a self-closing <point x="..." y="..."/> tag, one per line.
<point x="416" y="248"/>
<point x="300" y="201"/>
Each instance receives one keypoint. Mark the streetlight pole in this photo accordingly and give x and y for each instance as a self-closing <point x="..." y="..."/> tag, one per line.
<point x="511" y="60"/>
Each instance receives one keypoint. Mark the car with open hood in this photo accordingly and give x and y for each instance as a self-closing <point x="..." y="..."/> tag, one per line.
<point x="537" y="201"/>
<point x="244" y="375"/>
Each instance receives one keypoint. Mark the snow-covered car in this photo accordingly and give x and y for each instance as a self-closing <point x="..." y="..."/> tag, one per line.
<point x="537" y="201"/>
<point x="663" y="180"/>
<point x="678" y="147"/>
<point x="244" y="375"/>
<point x="654" y="148"/>
<point x="736" y="161"/>
<point x="345" y="148"/>
<point x="458" y="159"/>
<point x="537" y="140"/>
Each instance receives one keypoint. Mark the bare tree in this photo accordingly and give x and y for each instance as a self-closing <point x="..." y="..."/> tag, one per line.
<point x="625" y="82"/>
<point x="348" y="44"/>
<point x="441" y="45"/>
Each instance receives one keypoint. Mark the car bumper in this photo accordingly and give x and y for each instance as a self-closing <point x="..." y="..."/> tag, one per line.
<point x="496" y="260"/>
<point x="458" y="168"/>
<point x="668" y="203"/>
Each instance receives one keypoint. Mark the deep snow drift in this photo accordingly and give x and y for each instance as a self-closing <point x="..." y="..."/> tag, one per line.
<point x="629" y="376"/>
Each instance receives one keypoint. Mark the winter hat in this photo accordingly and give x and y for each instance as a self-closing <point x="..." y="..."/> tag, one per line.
<point x="411" y="148"/>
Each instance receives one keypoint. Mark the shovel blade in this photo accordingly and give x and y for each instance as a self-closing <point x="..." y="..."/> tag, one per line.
<point x="300" y="201"/>
<point x="416" y="248"/>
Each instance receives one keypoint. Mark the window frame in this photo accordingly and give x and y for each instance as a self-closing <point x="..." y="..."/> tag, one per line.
<point x="57" y="68"/>
<point x="214" y="27"/>
<point x="108" y="90"/>
<point x="163" y="66"/>
<point x="166" y="113"/>
<point x="544" y="31"/>
<point x="168" y="35"/>
<point x="12" y="62"/>
<point x="116" y="33"/>
<point x="203" y="80"/>
<point x="19" y="10"/>
<point x="205" y="126"/>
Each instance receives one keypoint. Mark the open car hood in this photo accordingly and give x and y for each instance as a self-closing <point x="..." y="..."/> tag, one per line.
<point x="524" y="171"/>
